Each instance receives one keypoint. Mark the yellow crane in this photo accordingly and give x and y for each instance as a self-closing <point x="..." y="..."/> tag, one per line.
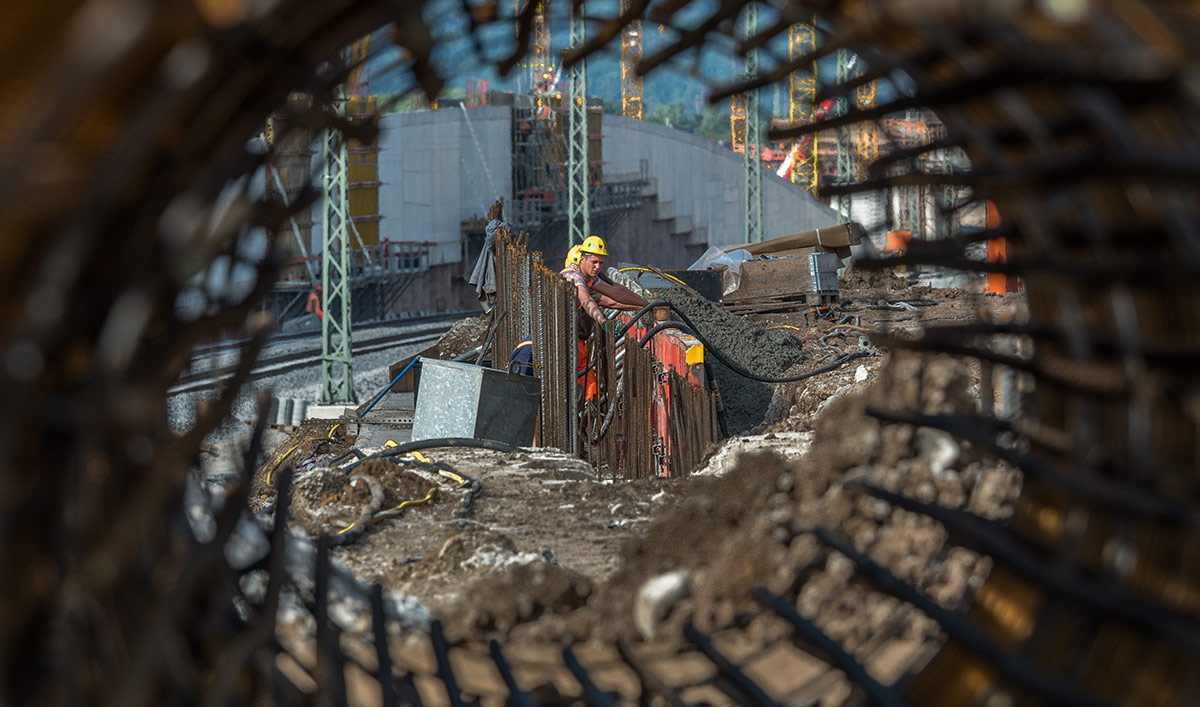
<point x="631" y="54"/>
<point x="868" y="133"/>
<point x="802" y="91"/>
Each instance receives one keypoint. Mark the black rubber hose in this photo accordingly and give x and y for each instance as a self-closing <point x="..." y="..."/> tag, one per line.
<point x="352" y="452"/>
<point x="742" y="371"/>
<point x="611" y="414"/>
<point x="435" y="443"/>
<point x="710" y="377"/>
<point x="463" y="358"/>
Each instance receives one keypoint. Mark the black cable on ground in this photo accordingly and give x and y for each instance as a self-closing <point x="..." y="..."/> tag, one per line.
<point x="352" y="452"/>
<point x="742" y="371"/>
<point x="433" y="444"/>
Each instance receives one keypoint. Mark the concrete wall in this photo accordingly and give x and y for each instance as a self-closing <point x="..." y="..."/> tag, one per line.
<point x="700" y="185"/>
<point x="433" y="177"/>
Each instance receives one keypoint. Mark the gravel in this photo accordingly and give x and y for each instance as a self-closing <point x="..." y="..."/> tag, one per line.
<point x="370" y="371"/>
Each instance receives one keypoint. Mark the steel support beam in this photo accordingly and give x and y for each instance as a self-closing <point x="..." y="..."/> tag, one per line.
<point x="337" y="379"/>
<point x="578" y="216"/>
<point x="753" y="143"/>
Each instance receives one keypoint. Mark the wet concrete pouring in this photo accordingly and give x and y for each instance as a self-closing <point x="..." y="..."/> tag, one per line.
<point x="548" y="552"/>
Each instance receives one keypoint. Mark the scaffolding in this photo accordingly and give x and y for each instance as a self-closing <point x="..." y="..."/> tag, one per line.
<point x="909" y="132"/>
<point x="846" y="171"/>
<point x="539" y="154"/>
<point x="867" y="140"/>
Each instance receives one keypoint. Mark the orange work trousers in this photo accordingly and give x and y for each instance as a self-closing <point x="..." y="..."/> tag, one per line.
<point x="581" y="362"/>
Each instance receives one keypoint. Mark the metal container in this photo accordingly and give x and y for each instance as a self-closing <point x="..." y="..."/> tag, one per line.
<point x="707" y="283"/>
<point x="823" y="268"/>
<point x="462" y="400"/>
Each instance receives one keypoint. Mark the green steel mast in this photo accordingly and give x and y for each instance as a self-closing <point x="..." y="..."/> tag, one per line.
<point x="337" y="379"/>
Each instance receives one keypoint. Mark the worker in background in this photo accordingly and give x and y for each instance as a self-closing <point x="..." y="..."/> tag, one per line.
<point x="592" y="291"/>
<point x="314" y="303"/>
<point x="521" y="360"/>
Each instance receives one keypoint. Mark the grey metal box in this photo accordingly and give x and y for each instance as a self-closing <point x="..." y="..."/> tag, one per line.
<point x="463" y="400"/>
<point x="823" y="267"/>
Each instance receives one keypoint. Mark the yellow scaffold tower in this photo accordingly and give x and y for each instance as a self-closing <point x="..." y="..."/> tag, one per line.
<point x="631" y="54"/>
<point x="802" y="90"/>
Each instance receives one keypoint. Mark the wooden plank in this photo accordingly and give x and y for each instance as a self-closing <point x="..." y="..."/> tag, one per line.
<point x="800" y="302"/>
<point x="842" y="235"/>
<point x="772" y="278"/>
<point x="406" y="384"/>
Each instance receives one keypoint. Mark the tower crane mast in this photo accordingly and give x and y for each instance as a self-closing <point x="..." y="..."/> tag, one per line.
<point x="631" y="54"/>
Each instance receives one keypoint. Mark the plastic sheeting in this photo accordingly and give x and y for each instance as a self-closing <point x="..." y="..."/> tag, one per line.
<point x="715" y="258"/>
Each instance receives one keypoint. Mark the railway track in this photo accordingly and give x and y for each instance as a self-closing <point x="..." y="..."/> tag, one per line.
<point x="272" y="365"/>
<point x="220" y="348"/>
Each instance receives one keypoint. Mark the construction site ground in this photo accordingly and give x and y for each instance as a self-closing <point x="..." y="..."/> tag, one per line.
<point x="548" y="553"/>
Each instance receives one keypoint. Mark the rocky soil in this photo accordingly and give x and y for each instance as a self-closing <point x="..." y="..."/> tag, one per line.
<point x="543" y="551"/>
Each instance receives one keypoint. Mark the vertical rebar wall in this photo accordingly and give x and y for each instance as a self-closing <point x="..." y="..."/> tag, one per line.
<point x="535" y="302"/>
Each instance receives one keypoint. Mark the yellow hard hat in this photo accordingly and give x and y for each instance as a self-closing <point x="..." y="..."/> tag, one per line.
<point x="572" y="256"/>
<point x="593" y="245"/>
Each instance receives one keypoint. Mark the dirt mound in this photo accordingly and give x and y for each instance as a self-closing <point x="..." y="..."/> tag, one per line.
<point x="329" y="501"/>
<point x="466" y="335"/>
<point x="522" y="593"/>
<point x="881" y="280"/>
<point x="754" y="526"/>
<point x="308" y="446"/>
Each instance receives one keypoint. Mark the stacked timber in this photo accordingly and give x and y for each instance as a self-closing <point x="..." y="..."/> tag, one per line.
<point x="793" y="272"/>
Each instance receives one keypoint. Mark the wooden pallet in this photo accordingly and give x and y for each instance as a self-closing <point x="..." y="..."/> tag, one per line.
<point x="791" y="303"/>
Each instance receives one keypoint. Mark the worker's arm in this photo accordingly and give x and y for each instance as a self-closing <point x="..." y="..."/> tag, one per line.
<point x="589" y="305"/>
<point x="619" y="293"/>
<point x="607" y="302"/>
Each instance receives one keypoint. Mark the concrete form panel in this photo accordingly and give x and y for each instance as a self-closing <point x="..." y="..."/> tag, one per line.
<point x="688" y="170"/>
<point x="432" y="175"/>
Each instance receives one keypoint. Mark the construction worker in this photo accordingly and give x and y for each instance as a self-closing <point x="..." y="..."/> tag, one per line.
<point x="592" y="292"/>
<point x="313" y="306"/>
<point x="628" y="299"/>
<point x="521" y="360"/>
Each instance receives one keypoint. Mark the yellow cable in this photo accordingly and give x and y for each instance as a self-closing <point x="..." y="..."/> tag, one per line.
<point x="275" y="466"/>
<point x="783" y="326"/>
<point x="656" y="271"/>
<point x="416" y="502"/>
<point x="450" y="474"/>
<point x="421" y="458"/>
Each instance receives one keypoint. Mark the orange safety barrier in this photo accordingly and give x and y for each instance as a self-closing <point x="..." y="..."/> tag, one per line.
<point x="898" y="240"/>
<point x="999" y="251"/>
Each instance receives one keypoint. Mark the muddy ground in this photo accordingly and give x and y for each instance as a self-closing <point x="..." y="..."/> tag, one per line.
<point x="545" y="552"/>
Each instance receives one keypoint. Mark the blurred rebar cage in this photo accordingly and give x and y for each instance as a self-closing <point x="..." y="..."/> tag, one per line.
<point x="128" y="178"/>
